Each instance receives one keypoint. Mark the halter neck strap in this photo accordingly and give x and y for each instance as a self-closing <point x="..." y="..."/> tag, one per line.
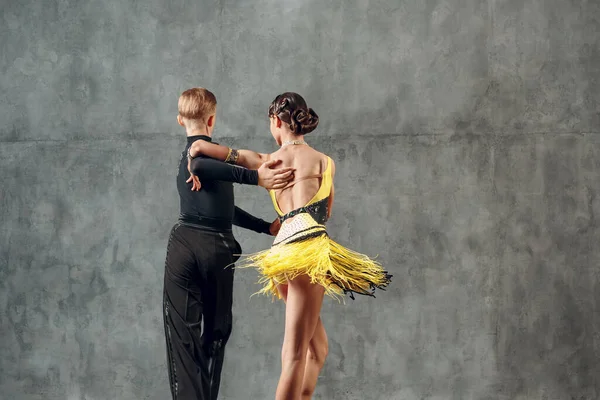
<point x="289" y="185"/>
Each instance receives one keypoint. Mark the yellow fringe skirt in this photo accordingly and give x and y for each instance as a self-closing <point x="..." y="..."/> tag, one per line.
<point x="311" y="252"/>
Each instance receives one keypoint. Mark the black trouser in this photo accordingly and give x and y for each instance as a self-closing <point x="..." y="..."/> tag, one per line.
<point x="198" y="295"/>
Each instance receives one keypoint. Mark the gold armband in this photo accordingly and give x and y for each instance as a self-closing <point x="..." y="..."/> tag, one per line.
<point x="232" y="156"/>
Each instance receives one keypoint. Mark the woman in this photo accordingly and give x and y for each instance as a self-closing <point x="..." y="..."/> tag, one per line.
<point x="304" y="263"/>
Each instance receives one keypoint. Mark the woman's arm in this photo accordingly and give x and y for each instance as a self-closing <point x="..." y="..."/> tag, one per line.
<point x="245" y="158"/>
<point x="331" y="194"/>
<point x="330" y="202"/>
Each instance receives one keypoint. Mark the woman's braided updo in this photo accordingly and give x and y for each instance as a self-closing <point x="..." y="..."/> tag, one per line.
<point x="292" y="109"/>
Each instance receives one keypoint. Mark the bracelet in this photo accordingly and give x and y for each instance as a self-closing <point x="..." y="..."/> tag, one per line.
<point x="189" y="155"/>
<point x="232" y="156"/>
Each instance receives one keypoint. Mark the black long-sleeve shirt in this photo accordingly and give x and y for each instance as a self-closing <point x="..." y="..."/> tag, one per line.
<point x="215" y="201"/>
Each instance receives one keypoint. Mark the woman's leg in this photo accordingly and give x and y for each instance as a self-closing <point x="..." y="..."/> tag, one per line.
<point x="303" y="306"/>
<point x="318" y="348"/>
<point x="315" y="359"/>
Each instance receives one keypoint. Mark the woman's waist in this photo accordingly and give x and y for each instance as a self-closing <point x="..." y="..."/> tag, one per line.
<point x="317" y="210"/>
<point x="298" y="227"/>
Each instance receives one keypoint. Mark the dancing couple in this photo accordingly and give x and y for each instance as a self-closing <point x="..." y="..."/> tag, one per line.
<point x="302" y="265"/>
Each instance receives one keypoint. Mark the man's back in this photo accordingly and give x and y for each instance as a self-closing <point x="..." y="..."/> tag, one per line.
<point x="215" y="200"/>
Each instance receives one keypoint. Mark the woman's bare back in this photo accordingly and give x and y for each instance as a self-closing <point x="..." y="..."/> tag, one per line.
<point x="307" y="163"/>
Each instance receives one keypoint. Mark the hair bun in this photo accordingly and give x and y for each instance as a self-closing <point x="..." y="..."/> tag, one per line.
<point x="303" y="121"/>
<point x="291" y="108"/>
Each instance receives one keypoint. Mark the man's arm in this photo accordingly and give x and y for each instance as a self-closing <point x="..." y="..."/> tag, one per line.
<point x="245" y="220"/>
<point x="245" y="158"/>
<point x="205" y="168"/>
<point x="209" y="169"/>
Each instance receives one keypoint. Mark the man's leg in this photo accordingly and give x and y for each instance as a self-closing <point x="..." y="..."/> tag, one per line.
<point x="183" y="316"/>
<point x="214" y="341"/>
<point x="218" y="314"/>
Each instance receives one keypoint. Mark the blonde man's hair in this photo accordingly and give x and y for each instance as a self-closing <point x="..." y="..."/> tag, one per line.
<point x="197" y="104"/>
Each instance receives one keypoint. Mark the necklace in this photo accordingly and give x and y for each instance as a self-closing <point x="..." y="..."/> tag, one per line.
<point x="293" y="142"/>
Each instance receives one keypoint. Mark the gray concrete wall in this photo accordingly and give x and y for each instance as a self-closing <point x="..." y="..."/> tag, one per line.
<point x="467" y="143"/>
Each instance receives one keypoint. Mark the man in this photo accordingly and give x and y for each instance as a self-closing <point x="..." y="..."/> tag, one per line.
<point x="198" y="282"/>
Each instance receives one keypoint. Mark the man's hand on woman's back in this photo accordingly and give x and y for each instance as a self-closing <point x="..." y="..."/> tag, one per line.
<point x="274" y="178"/>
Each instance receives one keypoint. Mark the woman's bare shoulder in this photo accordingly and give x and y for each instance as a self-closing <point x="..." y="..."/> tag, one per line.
<point x="325" y="157"/>
<point x="286" y="158"/>
<point x="277" y="154"/>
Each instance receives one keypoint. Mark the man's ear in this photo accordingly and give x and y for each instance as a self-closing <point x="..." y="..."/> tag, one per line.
<point x="180" y="120"/>
<point x="210" y="122"/>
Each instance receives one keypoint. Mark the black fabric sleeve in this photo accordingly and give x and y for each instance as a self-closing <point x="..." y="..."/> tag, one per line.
<point x="210" y="169"/>
<point x="245" y="220"/>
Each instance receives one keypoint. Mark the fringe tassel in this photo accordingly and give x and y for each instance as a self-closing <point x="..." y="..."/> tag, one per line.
<point x="329" y="264"/>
